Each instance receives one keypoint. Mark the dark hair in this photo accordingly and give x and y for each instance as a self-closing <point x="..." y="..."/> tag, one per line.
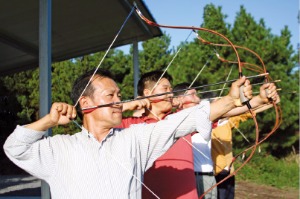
<point x="81" y="82"/>
<point x="179" y="89"/>
<point x="151" y="78"/>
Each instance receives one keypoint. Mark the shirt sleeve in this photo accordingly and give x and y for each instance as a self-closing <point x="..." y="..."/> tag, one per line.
<point x="195" y="119"/>
<point x="31" y="151"/>
<point x="157" y="138"/>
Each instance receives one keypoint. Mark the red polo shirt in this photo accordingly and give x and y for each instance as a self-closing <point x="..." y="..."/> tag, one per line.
<point x="172" y="175"/>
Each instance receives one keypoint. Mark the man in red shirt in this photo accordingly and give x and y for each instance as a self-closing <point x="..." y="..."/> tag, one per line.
<point x="172" y="175"/>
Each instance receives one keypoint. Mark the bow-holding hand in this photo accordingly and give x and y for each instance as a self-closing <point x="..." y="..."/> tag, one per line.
<point x="268" y="93"/>
<point x="235" y="91"/>
<point x="231" y="101"/>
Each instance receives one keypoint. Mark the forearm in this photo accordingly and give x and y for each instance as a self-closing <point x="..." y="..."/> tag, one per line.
<point x="255" y="102"/>
<point x="137" y="104"/>
<point x="262" y="108"/>
<point x="127" y="107"/>
<point x="221" y="107"/>
<point x="42" y="124"/>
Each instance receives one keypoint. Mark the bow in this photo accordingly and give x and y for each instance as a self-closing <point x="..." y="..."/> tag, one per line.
<point x="240" y="65"/>
<point x="277" y="109"/>
<point x="256" y="68"/>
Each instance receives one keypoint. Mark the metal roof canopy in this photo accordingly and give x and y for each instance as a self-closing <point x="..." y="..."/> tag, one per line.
<point x="78" y="28"/>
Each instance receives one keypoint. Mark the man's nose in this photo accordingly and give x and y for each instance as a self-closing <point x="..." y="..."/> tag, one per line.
<point x="117" y="99"/>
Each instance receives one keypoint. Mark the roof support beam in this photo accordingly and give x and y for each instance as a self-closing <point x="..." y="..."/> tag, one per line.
<point x="19" y="44"/>
<point x="45" y="69"/>
<point x="136" y="70"/>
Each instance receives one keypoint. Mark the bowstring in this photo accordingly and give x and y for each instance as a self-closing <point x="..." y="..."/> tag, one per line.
<point x="101" y="61"/>
<point x="98" y="66"/>
<point x="157" y="82"/>
<point x="243" y="135"/>
<point x="234" y="47"/>
<point x="207" y="61"/>
<point x="225" y="82"/>
<point x="238" y="62"/>
<point x="192" y="83"/>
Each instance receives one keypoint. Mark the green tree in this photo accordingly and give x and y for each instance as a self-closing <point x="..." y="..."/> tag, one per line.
<point x="279" y="58"/>
<point x="155" y="54"/>
<point x="196" y="54"/>
<point x="276" y="51"/>
<point x="24" y="86"/>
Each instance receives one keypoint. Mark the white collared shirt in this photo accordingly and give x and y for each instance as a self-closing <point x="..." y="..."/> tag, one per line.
<point x="79" y="166"/>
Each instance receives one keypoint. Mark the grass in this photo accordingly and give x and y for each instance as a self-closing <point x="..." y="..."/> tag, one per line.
<point x="267" y="170"/>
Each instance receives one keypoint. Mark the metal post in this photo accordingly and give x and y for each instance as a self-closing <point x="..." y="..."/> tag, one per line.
<point x="45" y="69"/>
<point x="136" y="71"/>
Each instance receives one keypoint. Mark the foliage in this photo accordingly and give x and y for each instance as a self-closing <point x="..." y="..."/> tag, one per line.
<point x="263" y="169"/>
<point x="25" y="87"/>
<point x="279" y="58"/>
<point x="155" y="54"/>
<point x="276" y="51"/>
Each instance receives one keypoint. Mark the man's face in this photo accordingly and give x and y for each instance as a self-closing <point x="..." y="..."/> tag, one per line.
<point x="164" y="102"/>
<point x="106" y="91"/>
<point x="189" y="99"/>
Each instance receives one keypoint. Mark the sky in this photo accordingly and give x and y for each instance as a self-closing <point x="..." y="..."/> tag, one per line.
<point x="276" y="14"/>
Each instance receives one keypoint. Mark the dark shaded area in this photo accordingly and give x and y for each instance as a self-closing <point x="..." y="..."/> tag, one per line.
<point x="9" y="108"/>
<point x="24" y="185"/>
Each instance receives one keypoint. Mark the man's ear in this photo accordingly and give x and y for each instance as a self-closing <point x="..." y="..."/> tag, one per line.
<point x="147" y="92"/>
<point x="84" y="102"/>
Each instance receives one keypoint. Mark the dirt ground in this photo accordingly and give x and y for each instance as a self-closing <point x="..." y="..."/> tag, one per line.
<point x="248" y="190"/>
